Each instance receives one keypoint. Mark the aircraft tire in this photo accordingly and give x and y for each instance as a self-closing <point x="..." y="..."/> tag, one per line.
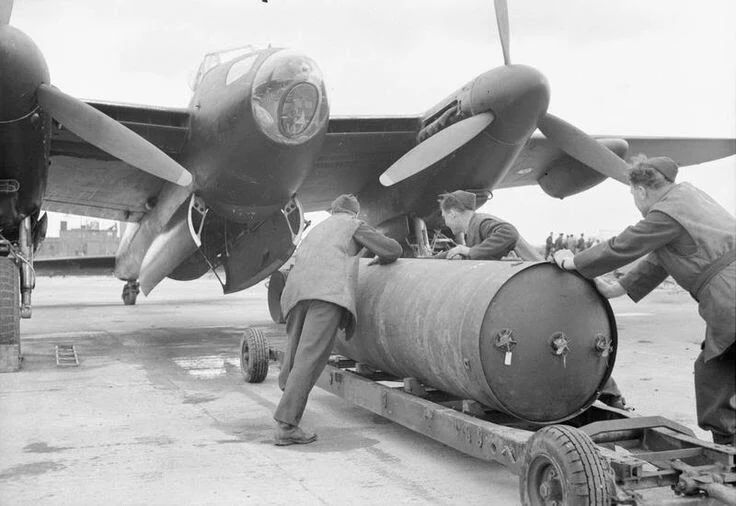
<point x="9" y="302"/>
<point x="254" y="356"/>
<point x="562" y="465"/>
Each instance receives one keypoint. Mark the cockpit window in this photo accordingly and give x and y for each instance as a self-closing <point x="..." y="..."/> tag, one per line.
<point x="240" y="68"/>
<point x="212" y="60"/>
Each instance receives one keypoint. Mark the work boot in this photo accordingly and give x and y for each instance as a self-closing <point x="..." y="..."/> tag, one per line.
<point x="286" y="434"/>
<point x="615" y="401"/>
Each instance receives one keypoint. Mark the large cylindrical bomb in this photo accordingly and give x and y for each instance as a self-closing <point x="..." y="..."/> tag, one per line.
<point x="524" y="338"/>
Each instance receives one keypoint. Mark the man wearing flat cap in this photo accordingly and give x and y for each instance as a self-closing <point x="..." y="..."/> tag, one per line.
<point x="486" y="237"/>
<point x="687" y="235"/>
<point x="319" y="298"/>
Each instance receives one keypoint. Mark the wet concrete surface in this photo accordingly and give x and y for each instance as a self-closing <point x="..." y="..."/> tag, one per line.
<point x="158" y="413"/>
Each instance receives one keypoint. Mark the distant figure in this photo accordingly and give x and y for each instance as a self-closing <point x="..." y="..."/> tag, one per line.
<point x="581" y="243"/>
<point x="571" y="243"/>
<point x="559" y="242"/>
<point x="549" y="245"/>
<point x="687" y="235"/>
<point x="319" y="298"/>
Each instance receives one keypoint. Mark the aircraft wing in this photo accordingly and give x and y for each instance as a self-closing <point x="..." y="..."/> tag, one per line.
<point x="355" y="152"/>
<point x="540" y="153"/>
<point x="358" y="150"/>
<point x="87" y="181"/>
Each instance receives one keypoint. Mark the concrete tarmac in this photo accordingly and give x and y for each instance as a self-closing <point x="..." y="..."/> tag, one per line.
<point x="158" y="413"/>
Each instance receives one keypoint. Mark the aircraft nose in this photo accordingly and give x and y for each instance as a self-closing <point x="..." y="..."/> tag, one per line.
<point x="518" y="96"/>
<point x="289" y="98"/>
<point x="23" y="69"/>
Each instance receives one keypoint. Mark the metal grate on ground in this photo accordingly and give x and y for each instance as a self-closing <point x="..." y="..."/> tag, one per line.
<point x="66" y="356"/>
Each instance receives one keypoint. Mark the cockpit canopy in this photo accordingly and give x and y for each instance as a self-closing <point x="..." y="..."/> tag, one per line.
<point x="215" y="58"/>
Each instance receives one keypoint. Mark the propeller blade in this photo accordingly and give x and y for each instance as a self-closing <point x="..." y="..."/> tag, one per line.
<point x="6" y="9"/>
<point x="110" y="136"/>
<point x="434" y="149"/>
<point x="583" y="147"/>
<point x="502" y="19"/>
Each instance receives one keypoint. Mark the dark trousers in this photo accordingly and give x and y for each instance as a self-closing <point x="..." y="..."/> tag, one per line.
<point x="715" y="395"/>
<point x="311" y="327"/>
<point x="610" y="389"/>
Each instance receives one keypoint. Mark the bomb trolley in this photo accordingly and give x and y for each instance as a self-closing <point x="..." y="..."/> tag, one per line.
<point x="602" y="456"/>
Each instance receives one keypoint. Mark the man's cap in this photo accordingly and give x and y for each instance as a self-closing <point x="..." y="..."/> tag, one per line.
<point x="466" y="199"/>
<point x="662" y="164"/>
<point x="345" y="203"/>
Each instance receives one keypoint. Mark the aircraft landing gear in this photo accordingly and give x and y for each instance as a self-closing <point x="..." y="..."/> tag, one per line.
<point x="419" y="228"/>
<point x="130" y="292"/>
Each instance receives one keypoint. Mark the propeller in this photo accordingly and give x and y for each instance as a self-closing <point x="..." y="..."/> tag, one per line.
<point x="502" y="20"/>
<point x="110" y="136"/>
<point x="570" y="139"/>
<point x="452" y="138"/>
<point x="6" y="9"/>
<point x="583" y="147"/>
<point x="434" y="149"/>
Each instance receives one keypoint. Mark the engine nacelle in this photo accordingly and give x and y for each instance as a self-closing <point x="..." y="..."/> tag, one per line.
<point x="568" y="176"/>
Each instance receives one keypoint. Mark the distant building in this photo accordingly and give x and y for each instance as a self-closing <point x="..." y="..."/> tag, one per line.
<point x="88" y="240"/>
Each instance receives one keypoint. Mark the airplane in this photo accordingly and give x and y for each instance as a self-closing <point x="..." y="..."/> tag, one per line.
<point x="223" y="184"/>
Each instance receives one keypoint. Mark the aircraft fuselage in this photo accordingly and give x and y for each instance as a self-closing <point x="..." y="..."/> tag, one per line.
<point x="257" y="125"/>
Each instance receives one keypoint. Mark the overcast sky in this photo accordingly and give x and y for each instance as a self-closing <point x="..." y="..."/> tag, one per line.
<point x="634" y="67"/>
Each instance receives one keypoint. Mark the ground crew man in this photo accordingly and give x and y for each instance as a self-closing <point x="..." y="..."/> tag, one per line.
<point x="687" y="235"/>
<point x="549" y="245"/>
<point x="559" y="242"/>
<point x="319" y="298"/>
<point x="581" y="243"/>
<point x="486" y="237"/>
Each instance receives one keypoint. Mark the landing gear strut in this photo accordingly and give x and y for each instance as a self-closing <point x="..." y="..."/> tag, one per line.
<point x="421" y="239"/>
<point x="130" y="292"/>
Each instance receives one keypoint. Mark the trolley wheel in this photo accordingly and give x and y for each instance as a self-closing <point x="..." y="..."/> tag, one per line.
<point x="276" y="284"/>
<point x="9" y="302"/>
<point x="563" y="467"/>
<point x="254" y="356"/>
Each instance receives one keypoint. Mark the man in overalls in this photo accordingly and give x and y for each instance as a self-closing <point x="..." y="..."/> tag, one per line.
<point x="319" y="298"/>
<point x="687" y="235"/>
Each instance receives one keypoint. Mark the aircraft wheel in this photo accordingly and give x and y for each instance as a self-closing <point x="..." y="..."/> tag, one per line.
<point x="276" y="284"/>
<point x="130" y="293"/>
<point x="562" y="466"/>
<point x="254" y="356"/>
<point x="9" y="302"/>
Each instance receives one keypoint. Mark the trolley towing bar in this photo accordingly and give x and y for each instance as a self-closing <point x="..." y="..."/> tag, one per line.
<point x="602" y="456"/>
